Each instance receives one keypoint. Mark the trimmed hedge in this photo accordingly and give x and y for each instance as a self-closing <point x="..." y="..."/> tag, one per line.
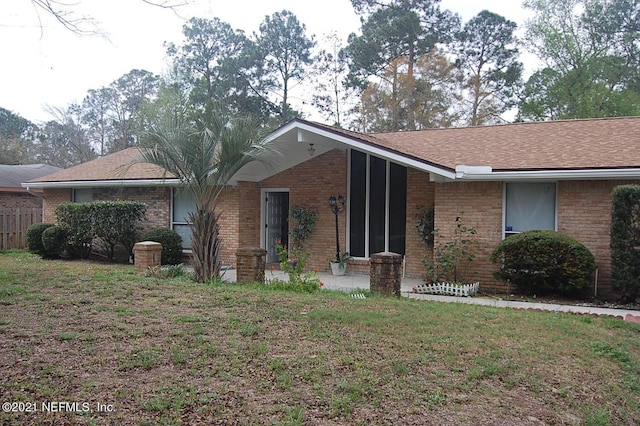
<point x="117" y="222"/>
<point x="171" y="244"/>
<point x="544" y="262"/>
<point x="54" y="241"/>
<point x="113" y="222"/>
<point x="76" y="218"/>
<point x="625" y="241"/>
<point x="34" y="237"/>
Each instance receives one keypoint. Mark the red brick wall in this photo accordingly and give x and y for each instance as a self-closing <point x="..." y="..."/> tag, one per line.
<point x="310" y="184"/>
<point x="228" y="208"/>
<point x="51" y="198"/>
<point x="584" y="213"/>
<point x="420" y="193"/>
<point x="480" y="205"/>
<point x="157" y="199"/>
<point x="19" y="200"/>
<point x="249" y="214"/>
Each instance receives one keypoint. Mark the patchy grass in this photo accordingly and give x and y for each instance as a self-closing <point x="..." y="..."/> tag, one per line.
<point x="169" y="351"/>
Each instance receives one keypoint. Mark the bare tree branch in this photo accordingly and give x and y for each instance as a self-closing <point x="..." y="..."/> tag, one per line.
<point x="80" y="25"/>
<point x="63" y="12"/>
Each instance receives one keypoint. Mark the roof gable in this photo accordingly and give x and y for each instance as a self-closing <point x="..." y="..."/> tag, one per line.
<point x="602" y="148"/>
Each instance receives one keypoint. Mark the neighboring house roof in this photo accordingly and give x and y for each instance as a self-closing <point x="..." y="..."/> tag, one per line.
<point x="12" y="176"/>
<point x="606" y="148"/>
<point x="122" y="167"/>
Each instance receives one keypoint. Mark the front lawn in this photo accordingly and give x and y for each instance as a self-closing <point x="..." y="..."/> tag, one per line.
<point x="91" y="343"/>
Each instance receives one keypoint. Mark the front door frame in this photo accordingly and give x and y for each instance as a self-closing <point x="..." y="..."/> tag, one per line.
<point x="264" y="209"/>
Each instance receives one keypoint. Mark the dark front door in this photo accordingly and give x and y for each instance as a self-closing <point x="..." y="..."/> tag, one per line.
<point x="277" y="223"/>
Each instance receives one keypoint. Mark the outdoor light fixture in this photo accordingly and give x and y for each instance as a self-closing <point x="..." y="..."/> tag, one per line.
<point x="337" y="206"/>
<point x="311" y="150"/>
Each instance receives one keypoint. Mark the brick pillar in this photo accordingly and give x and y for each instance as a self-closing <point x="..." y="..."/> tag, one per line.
<point x="386" y="274"/>
<point x="250" y="264"/>
<point x="147" y="255"/>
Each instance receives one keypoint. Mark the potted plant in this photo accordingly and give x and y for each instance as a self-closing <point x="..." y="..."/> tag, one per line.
<point x="339" y="265"/>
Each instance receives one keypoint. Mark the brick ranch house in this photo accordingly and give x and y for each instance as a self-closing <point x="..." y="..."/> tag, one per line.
<point x="503" y="179"/>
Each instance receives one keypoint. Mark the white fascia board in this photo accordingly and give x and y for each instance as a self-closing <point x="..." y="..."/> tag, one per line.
<point x="365" y="147"/>
<point x="463" y="173"/>
<point x="282" y="131"/>
<point x="102" y="183"/>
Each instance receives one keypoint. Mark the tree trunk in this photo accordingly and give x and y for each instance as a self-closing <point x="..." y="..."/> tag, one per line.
<point x="411" y="114"/>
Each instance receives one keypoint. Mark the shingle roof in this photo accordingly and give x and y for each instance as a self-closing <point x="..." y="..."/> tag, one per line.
<point x="13" y="176"/>
<point x="551" y="145"/>
<point x="543" y="145"/>
<point x="606" y="143"/>
<point x="121" y="165"/>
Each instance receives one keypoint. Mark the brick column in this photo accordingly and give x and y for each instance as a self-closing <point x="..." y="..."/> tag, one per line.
<point x="147" y="255"/>
<point x="386" y="274"/>
<point x="250" y="264"/>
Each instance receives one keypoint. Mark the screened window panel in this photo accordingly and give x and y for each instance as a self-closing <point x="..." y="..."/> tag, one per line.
<point x="185" y="232"/>
<point x="183" y="204"/>
<point x="83" y="195"/>
<point x="378" y="199"/>
<point x="377" y="204"/>
<point x="358" y="203"/>
<point x="530" y="206"/>
<point x="397" y="208"/>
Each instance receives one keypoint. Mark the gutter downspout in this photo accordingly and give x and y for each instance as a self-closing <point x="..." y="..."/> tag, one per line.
<point x="35" y="194"/>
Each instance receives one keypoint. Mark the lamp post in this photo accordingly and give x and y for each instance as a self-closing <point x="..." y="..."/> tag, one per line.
<point x="337" y="206"/>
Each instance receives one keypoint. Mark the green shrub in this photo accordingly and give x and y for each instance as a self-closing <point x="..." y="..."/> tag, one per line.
<point x="77" y="220"/>
<point x="303" y="220"/>
<point x="171" y="244"/>
<point x="544" y="262"/>
<point x="116" y="222"/>
<point x="34" y="237"/>
<point x="625" y="240"/>
<point x="54" y="242"/>
<point x="112" y="222"/>
<point x="293" y="262"/>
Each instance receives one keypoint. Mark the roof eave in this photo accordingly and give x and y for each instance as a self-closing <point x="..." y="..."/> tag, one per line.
<point x="102" y="183"/>
<point x="486" y="174"/>
<point x="361" y="145"/>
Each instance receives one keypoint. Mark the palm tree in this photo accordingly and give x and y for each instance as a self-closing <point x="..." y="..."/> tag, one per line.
<point x="204" y="154"/>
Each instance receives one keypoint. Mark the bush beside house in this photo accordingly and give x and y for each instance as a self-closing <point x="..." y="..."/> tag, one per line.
<point x="625" y="241"/>
<point x="54" y="242"/>
<point x="110" y="222"/>
<point x="171" y="244"/>
<point x="34" y="237"/>
<point x="544" y="262"/>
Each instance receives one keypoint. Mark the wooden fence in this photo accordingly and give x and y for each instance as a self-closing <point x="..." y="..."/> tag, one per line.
<point x="14" y="224"/>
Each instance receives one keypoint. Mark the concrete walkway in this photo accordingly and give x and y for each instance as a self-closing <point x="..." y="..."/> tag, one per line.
<point x="354" y="282"/>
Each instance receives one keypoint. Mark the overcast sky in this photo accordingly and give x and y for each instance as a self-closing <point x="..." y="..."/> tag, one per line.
<point x="45" y="64"/>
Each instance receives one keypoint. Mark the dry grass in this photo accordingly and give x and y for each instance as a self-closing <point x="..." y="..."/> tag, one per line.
<point x="176" y="352"/>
